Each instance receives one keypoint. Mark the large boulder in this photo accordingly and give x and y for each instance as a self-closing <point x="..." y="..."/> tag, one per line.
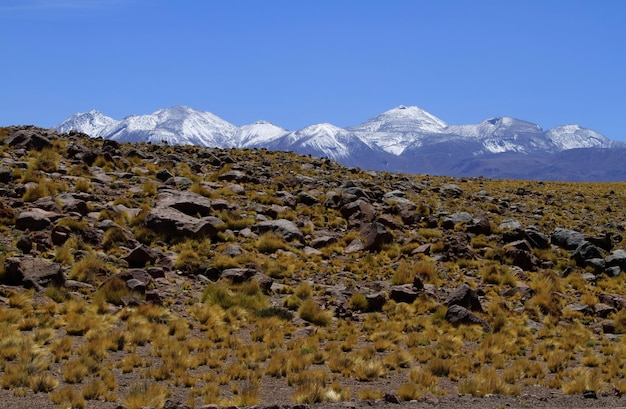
<point x="30" y="138"/>
<point x="71" y="203"/>
<point x="617" y="258"/>
<point x="466" y="297"/>
<point x="174" y="223"/>
<point x="457" y="315"/>
<point x="451" y="190"/>
<point x="140" y="256"/>
<point x="32" y="272"/>
<point x="359" y="211"/>
<point x="35" y="219"/>
<point x="374" y="236"/>
<point x="460" y="217"/>
<point x="192" y="204"/>
<point x="406" y="293"/>
<point x="567" y="239"/>
<point x="282" y="227"/>
<point x="536" y="238"/>
<point x="586" y="251"/>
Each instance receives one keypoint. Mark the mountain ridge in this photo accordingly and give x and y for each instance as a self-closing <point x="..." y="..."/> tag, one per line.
<point x="399" y="139"/>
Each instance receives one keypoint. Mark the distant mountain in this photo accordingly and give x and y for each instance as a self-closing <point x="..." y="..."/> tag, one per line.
<point x="92" y="123"/>
<point x="258" y="134"/>
<point x="574" y="137"/>
<point x="398" y="128"/>
<point x="329" y="141"/>
<point x="403" y="139"/>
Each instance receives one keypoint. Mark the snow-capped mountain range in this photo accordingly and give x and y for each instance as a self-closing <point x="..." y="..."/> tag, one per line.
<point x="406" y="139"/>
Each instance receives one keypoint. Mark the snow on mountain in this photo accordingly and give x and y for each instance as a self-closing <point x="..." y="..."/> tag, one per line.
<point x="402" y="139"/>
<point x="258" y="134"/>
<point x="177" y="125"/>
<point x="505" y="134"/>
<point x="93" y="123"/>
<point x="324" y="139"/>
<point x="397" y="128"/>
<point x="575" y="136"/>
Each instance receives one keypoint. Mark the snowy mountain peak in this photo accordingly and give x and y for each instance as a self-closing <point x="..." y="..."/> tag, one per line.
<point x="93" y="123"/>
<point x="399" y="127"/>
<point x="575" y="136"/>
<point x="323" y="128"/>
<point x="258" y="134"/>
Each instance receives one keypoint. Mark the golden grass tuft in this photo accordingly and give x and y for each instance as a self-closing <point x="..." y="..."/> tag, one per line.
<point x="312" y="312"/>
<point x="270" y="242"/>
<point x="144" y="394"/>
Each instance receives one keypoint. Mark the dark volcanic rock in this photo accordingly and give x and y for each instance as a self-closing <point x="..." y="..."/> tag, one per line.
<point x="584" y="252"/>
<point x="567" y="239"/>
<point x="32" y="272"/>
<point x="522" y="258"/>
<point x="617" y="259"/>
<point x="29" y="138"/>
<point x="403" y="293"/>
<point x="374" y="236"/>
<point x="282" y="227"/>
<point x="35" y="219"/>
<point x="457" y="315"/>
<point x="466" y="297"/>
<point x="140" y="256"/>
<point x="375" y="302"/>
<point x="174" y="223"/>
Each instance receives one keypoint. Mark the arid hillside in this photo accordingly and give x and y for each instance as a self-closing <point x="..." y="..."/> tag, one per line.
<point x="143" y="275"/>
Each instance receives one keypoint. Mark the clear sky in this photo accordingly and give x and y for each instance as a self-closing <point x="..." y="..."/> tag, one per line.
<point x="300" y="62"/>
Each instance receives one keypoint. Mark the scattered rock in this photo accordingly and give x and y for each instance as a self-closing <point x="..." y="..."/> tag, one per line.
<point x="375" y="302"/>
<point x="36" y="219"/>
<point x="586" y="251"/>
<point x="567" y="239"/>
<point x="451" y="190"/>
<point x="174" y="223"/>
<point x="457" y="315"/>
<point x="589" y="394"/>
<point x="374" y="236"/>
<point x="282" y="227"/>
<point x="32" y="272"/>
<point x="140" y="256"/>
<point x="466" y="297"/>
<point x="403" y="293"/>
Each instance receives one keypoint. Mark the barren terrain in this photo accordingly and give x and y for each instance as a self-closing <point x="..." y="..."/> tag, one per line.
<point x="140" y="275"/>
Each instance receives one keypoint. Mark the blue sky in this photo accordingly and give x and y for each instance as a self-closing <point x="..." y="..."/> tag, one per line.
<point x="301" y="62"/>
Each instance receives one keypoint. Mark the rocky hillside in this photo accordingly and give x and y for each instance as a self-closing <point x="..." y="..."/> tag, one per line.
<point x="149" y="275"/>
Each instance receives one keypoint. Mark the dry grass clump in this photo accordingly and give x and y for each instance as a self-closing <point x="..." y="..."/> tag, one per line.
<point x="43" y="188"/>
<point x="192" y="256"/>
<point x="368" y="369"/>
<point x="247" y="295"/>
<point x="91" y="269"/>
<point x="113" y="290"/>
<point x="311" y="311"/>
<point x="270" y="242"/>
<point x="144" y="394"/>
<point x="497" y="274"/>
<point x="487" y="381"/>
<point x="358" y="302"/>
<point x="68" y="397"/>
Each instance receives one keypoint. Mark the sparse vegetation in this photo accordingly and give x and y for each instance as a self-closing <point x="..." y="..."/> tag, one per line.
<point x="229" y="306"/>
